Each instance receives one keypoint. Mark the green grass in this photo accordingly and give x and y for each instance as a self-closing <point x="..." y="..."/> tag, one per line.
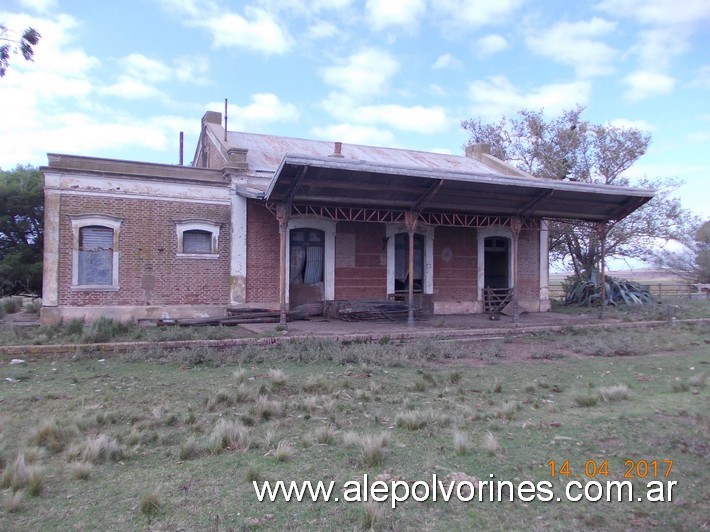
<point x="133" y="442"/>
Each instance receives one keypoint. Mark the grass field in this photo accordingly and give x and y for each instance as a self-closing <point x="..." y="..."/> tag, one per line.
<point x="173" y="440"/>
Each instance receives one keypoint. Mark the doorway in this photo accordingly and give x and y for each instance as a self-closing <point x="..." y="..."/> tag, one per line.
<point x="496" y="266"/>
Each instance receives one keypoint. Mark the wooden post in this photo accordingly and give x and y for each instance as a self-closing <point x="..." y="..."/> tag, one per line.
<point x="515" y="226"/>
<point x="602" y="229"/>
<point x="410" y="219"/>
<point x="282" y="215"/>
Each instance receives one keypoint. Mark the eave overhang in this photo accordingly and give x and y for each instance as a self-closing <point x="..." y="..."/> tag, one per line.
<point x="337" y="181"/>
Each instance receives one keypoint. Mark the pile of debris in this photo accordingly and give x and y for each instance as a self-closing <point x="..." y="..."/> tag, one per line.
<point x="369" y="309"/>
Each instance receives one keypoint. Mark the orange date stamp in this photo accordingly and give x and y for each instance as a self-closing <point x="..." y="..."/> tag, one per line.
<point x="600" y="468"/>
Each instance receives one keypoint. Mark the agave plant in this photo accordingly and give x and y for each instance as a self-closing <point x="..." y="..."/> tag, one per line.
<point x="583" y="292"/>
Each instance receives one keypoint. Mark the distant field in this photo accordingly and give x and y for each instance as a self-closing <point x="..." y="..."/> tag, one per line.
<point x="661" y="284"/>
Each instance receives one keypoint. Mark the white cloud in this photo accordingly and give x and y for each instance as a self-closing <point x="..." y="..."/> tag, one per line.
<point x="668" y="26"/>
<point x="260" y="31"/>
<point x="355" y="134"/>
<point x="643" y="84"/>
<point x="140" y="66"/>
<point x="658" y="12"/>
<point x="625" y="123"/>
<point x="702" y="80"/>
<point x="447" y="61"/>
<point x="419" y="119"/>
<point x="363" y="74"/>
<point x="384" y="14"/>
<point x="39" y="6"/>
<point x="497" y="96"/>
<point x="577" y="44"/>
<point x="472" y="14"/>
<point x="321" y="30"/>
<point x="264" y="109"/>
<point x="490" y="45"/>
<point x="192" y="69"/>
<point x="257" y="29"/>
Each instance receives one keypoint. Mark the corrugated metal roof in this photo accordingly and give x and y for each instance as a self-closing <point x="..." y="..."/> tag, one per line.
<point x="267" y="151"/>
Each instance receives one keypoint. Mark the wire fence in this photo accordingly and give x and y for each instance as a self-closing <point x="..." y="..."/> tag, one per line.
<point x="658" y="290"/>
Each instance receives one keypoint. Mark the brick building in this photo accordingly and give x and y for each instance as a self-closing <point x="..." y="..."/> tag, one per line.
<point x="274" y="222"/>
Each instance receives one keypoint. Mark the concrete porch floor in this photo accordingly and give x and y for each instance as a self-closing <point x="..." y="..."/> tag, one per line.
<point x="447" y="325"/>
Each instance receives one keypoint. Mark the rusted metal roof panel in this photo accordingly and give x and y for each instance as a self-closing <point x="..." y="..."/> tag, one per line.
<point x="267" y="151"/>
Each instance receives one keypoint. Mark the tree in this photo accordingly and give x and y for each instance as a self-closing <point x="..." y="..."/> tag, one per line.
<point x="692" y="261"/>
<point x="21" y="222"/>
<point x="572" y="149"/>
<point x="23" y="44"/>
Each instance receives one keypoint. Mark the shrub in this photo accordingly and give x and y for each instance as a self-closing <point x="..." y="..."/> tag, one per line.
<point x="74" y="327"/>
<point x="104" y="330"/>
<point x="11" y="305"/>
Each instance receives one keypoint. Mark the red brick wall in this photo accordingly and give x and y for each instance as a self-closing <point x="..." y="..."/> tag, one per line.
<point x="367" y="277"/>
<point x="262" y="254"/>
<point x="150" y="273"/>
<point x="529" y="267"/>
<point x="455" y="267"/>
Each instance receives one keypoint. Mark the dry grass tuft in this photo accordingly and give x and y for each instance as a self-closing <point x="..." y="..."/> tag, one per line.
<point x="373" y="514"/>
<point x="230" y="435"/>
<point x="372" y="448"/>
<point x="190" y="449"/>
<point x="52" y="436"/>
<point x="239" y="375"/>
<point x="12" y="501"/>
<point x="325" y="435"/>
<point x="96" y="449"/>
<point x="618" y="392"/>
<point x="278" y="378"/>
<point x="462" y="442"/>
<point x="491" y="444"/>
<point x="267" y="408"/>
<point x="20" y="475"/>
<point x="585" y="398"/>
<point x="80" y="470"/>
<point x="253" y="473"/>
<point x="220" y="398"/>
<point x="284" y="451"/>
<point x="150" y="503"/>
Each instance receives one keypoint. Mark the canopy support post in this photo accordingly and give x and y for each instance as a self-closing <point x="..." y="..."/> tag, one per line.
<point x="283" y="211"/>
<point x="410" y="218"/>
<point x="516" y="225"/>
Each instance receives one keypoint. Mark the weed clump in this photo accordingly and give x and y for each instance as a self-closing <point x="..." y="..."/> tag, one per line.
<point x="104" y="330"/>
<point x="20" y="475"/>
<point x="53" y="436"/>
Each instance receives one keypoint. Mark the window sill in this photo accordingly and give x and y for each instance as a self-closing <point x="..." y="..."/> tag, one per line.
<point x="95" y="288"/>
<point x="203" y="256"/>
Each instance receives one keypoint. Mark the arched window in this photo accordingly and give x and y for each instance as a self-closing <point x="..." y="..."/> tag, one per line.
<point x="307" y="247"/>
<point x="401" y="263"/>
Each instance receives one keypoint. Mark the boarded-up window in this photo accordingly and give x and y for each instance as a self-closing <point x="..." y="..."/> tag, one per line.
<point x="95" y="255"/>
<point x="307" y="256"/>
<point x="401" y="262"/>
<point x="197" y="241"/>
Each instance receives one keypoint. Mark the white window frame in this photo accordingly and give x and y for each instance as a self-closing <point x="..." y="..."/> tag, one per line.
<point x="77" y="223"/>
<point x="198" y="225"/>
<point x="427" y="231"/>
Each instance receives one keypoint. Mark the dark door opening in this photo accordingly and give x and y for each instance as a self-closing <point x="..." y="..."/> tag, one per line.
<point x="496" y="258"/>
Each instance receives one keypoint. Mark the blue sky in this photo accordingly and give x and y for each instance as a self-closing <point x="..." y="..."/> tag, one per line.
<point x="122" y="79"/>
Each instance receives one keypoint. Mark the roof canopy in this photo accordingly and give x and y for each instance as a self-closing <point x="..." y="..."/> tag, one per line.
<point x="335" y="181"/>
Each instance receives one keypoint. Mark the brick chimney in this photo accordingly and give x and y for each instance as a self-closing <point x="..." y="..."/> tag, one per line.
<point x="476" y="151"/>
<point x="212" y="117"/>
